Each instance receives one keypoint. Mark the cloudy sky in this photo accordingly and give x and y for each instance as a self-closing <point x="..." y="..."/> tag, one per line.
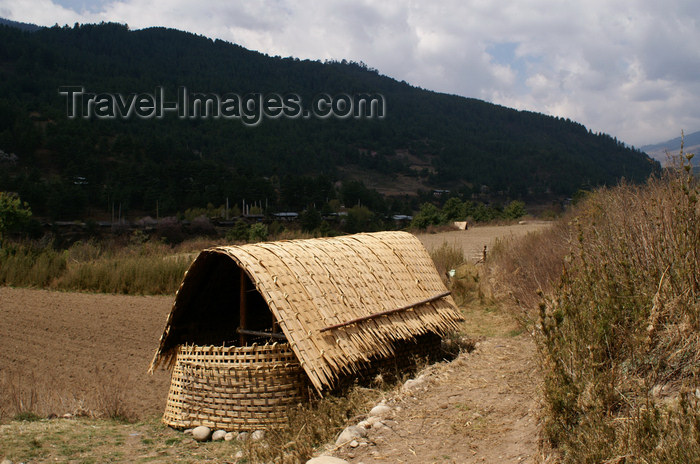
<point x="628" y="68"/>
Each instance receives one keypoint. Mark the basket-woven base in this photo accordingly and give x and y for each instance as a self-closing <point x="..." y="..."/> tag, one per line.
<point x="234" y="388"/>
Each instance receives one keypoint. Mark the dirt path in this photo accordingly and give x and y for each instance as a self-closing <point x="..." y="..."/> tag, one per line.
<point x="479" y="408"/>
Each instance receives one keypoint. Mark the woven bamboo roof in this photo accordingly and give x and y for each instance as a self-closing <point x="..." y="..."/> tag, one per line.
<point x="316" y="288"/>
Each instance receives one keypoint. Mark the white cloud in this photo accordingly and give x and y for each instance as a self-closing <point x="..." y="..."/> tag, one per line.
<point x="626" y="68"/>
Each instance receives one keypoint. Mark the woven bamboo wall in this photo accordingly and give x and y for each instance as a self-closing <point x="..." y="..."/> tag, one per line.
<point x="234" y="388"/>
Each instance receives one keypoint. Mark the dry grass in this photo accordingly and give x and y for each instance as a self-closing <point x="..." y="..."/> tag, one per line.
<point x="620" y="337"/>
<point x="23" y="397"/>
<point x="110" y="397"/>
<point x="521" y="269"/>
<point x="136" y="269"/>
<point x="310" y="426"/>
<point x="19" y="399"/>
<point x="447" y="257"/>
<point x="141" y="267"/>
<point x="460" y="277"/>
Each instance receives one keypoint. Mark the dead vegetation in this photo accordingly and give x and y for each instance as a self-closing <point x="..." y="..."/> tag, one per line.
<point x="617" y="285"/>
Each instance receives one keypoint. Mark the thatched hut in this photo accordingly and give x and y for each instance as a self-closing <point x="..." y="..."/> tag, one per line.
<point x="253" y="326"/>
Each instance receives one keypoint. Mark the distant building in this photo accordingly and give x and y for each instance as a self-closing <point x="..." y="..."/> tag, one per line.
<point x="440" y="192"/>
<point x="286" y="216"/>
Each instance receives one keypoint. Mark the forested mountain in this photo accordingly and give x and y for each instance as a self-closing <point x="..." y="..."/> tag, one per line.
<point x="67" y="168"/>
<point x="19" y="25"/>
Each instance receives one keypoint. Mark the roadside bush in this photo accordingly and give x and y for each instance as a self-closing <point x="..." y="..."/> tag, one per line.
<point x="464" y="282"/>
<point x="620" y="337"/>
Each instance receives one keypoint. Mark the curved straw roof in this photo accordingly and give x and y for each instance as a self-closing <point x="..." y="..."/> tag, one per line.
<point x="312" y="285"/>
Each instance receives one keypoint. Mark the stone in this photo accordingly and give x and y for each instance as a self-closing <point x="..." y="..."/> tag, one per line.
<point x="201" y="433"/>
<point x="243" y="436"/>
<point x="412" y="385"/>
<point x="364" y="424"/>
<point x="354" y="444"/>
<point x="349" y="434"/>
<point x="218" y="435"/>
<point x="326" y="460"/>
<point x="229" y="436"/>
<point x="239" y="454"/>
<point x="379" y="427"/>
<point x="5" y="461"/>
<point x="257" y="435"/>
<point x="380" y="410"/>
<point x="67" y="416"/>
<point x="371" y="420"/>
<point x="187" y="431"/>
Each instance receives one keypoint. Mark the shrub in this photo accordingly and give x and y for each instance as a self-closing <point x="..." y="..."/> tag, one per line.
<point x="257" y="232"/>
<point x="170" y="230"/>
<point x="239" y="232"/>
<point x="201" y="225"/>
<point x="520" y="269"/>
<point x="14" y="214"/>
<point x="428" y="215"/>
<point x="514" y="210"/>
<point x="620" y="338"/>
<point x="454" y="210"/>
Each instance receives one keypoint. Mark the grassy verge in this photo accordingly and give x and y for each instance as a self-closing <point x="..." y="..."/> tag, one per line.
<point x="99" y="440"/>
<point x="618" y="325"/>
<point x="620" y="338"/>
<point x="28" y="438"/>
<point x="94" y="267"/>
<point x="137" y="267"/>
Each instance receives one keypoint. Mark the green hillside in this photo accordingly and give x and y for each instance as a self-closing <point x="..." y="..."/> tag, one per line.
<point x="70" y="168"/>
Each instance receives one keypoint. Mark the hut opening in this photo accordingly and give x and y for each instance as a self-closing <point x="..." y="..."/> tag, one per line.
<point x="224" y="307"/>
<point x="254" y="327"/>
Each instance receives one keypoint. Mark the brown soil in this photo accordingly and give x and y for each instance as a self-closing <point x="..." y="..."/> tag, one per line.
<point x="73" y="347"/>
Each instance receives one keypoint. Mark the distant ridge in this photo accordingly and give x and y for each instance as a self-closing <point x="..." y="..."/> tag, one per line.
<point x="691" y="144"/>
<point x="19" y="25"/>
